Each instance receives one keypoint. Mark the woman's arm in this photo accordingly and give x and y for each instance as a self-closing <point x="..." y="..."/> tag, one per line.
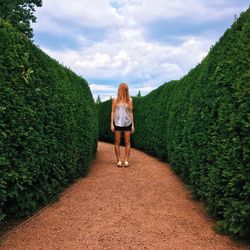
<point x="112" y="116"/>
<point x="132" y="116"/>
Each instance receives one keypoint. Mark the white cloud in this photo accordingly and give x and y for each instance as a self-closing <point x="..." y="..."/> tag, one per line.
<point x="106" y="91"/>
<point x="130" y="56"/>
<point x="101" y="13"/>
<point x="102" y="87"/>
<point x="124" y="53"/>
<point x="146" y="11"/>
<point x="94" y="13"/>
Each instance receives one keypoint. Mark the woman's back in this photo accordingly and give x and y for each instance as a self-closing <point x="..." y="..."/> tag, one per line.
<point x="122" y="116"/>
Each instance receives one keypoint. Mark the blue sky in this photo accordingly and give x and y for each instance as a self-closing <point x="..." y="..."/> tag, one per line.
<point x="144" y="43"/>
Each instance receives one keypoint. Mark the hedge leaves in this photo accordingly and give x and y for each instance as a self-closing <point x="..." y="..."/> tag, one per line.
<point x="200" y="124"/>
<point x="48" y="125"/>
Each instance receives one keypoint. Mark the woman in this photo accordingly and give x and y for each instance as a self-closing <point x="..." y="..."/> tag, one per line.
<point x="122" y="120"/>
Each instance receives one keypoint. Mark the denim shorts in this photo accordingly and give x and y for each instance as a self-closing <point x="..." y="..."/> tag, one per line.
<point x="127" y="128"/>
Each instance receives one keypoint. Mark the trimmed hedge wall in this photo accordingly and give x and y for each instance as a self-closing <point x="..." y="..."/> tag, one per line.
<point x="48" y="125"/>
<point x="104" y="113"/>
<point x="200" y="125"/>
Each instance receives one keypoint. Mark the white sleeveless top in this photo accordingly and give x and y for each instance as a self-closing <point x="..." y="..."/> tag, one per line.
<point x="122" y="116"/>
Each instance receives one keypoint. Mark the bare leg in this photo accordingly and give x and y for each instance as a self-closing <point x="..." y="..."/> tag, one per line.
<point x="127" y="144"/>
<point x="117" y="144"/>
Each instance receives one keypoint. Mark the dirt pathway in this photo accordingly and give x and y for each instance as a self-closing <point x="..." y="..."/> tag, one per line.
<point x="144" y="206"/>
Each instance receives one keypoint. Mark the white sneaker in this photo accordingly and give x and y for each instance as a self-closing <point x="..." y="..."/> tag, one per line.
<point x="126" y="164"/>
<point x="119" y="164"/>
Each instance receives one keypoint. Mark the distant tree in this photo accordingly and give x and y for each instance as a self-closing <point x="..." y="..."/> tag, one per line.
<point x="20" y="14"/>
<point x="111" y="97"/>
<point x="139" y="94"/>
<point x="98" y="100"/>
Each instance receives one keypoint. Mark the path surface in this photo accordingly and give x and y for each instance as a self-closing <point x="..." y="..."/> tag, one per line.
<point x="145" y="206"/>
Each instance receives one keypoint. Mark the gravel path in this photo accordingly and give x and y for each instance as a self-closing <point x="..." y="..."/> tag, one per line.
<point x="144" y="206"/>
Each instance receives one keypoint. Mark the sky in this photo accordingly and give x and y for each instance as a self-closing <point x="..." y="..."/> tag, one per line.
<point x="144" y="43"/>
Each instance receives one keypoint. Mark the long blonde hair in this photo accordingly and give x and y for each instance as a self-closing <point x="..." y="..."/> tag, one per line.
<point x="123" y="94"/>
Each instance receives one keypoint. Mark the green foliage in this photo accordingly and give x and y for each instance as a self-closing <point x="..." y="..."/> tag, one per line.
<point x="104" y="112"/>
<point x="98" y="99"/>
<point x="138" y="94"/>
<point x="200" y="124"/>
<point x="20" y="13"/>
<point x="48" y="125"/>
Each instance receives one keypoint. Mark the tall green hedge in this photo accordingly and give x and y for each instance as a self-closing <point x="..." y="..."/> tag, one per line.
<point x="48" y="125"/>
<point x="200" y="124"/>
<point x="104" y="111"/>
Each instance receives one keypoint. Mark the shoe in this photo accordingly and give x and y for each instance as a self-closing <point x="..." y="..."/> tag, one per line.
<point x="119" y="164"/>
<point x="126" y="164"/>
